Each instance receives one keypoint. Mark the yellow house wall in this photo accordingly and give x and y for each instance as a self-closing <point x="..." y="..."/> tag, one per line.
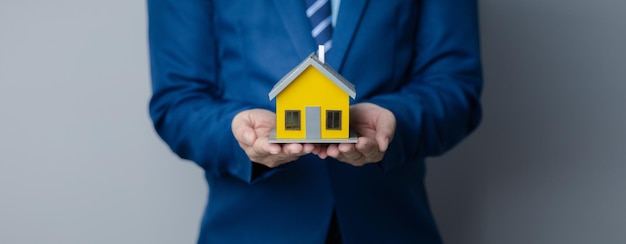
<point x="312" y="88"/>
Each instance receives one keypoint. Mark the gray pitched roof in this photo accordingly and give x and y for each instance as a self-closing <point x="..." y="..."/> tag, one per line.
<point x="328" y="71"/>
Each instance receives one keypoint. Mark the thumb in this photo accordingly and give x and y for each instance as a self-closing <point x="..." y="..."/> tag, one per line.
<point x="385" y="129"/>
<point x="243" y="130"/>
<point x="383" y="141"/>
<point x="248" y="137"/>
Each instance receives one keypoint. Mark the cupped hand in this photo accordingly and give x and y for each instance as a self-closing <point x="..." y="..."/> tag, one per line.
<point x="251" y="129"/>
<point x="375" y="127"/>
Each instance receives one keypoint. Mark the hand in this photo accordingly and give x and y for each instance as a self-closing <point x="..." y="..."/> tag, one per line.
<point x="375" y="127"/>
<point x="251" y="129"/>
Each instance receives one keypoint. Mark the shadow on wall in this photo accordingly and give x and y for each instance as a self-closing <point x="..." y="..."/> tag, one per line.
<point x="550" y="148"/>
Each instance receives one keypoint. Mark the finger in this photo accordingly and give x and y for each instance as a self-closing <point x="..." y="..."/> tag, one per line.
<point x="274" y="160"/>
<point x="273" y="148"/>
<point x="243" y="131"/>
<point x="332" y="151"/>
<point x="320" y="151"/>
<point x="292" y="149"/>
<point x="307" y="148"/>
<point x="316" y="150"/>
<point x="383" y="141"/>
<point x="283" y="158"/>
<point x="385" y="129"/>
<point x="351" y="154"/>
<point x="368" y="147"/>
<point x="346" y="147"/>
<point x="262" y="147"/>
<point x="248" y="136"/>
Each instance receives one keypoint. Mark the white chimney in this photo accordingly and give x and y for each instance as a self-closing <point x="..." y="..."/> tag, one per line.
<point x="320" y="53"/>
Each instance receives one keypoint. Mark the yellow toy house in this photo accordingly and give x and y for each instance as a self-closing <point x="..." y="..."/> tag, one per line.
<point x="312" y="105"/>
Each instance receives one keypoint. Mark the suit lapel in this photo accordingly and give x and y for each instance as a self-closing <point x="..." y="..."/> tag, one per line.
<point x="292" y="13"/>
<point x="348" y="19"/>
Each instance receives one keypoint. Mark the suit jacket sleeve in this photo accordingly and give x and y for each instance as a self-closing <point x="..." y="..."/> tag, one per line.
<point x="438" y="105"/>
<point x="187" y="107"/>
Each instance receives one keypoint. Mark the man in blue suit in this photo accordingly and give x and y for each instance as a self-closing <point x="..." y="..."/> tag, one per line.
<point x="416" y="68"/>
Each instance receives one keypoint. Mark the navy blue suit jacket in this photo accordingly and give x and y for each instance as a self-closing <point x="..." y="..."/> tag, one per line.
<point x="212" y="59"/>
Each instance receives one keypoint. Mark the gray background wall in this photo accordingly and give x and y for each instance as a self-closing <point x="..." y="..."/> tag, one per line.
<point x="79" y="162"/>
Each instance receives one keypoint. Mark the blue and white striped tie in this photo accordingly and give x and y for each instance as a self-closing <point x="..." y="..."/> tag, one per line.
<point x="319" y="14"/>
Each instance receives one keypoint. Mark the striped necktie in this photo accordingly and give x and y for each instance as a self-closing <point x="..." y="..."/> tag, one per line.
<point x="319" y="14"/>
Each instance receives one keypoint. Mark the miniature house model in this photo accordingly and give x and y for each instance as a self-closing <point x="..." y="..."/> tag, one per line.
<point x="312" y="104"/>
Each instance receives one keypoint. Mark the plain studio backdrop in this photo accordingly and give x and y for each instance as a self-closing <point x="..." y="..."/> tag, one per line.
<point x="80" y="162"/>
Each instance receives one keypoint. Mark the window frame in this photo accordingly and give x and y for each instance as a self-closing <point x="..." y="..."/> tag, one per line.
<point x="333" y="119"/>
<point x="293" y="120"/>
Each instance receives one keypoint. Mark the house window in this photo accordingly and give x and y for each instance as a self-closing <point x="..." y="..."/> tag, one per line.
<point x="292" y="120"/>
<point x="333" y="120"/>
